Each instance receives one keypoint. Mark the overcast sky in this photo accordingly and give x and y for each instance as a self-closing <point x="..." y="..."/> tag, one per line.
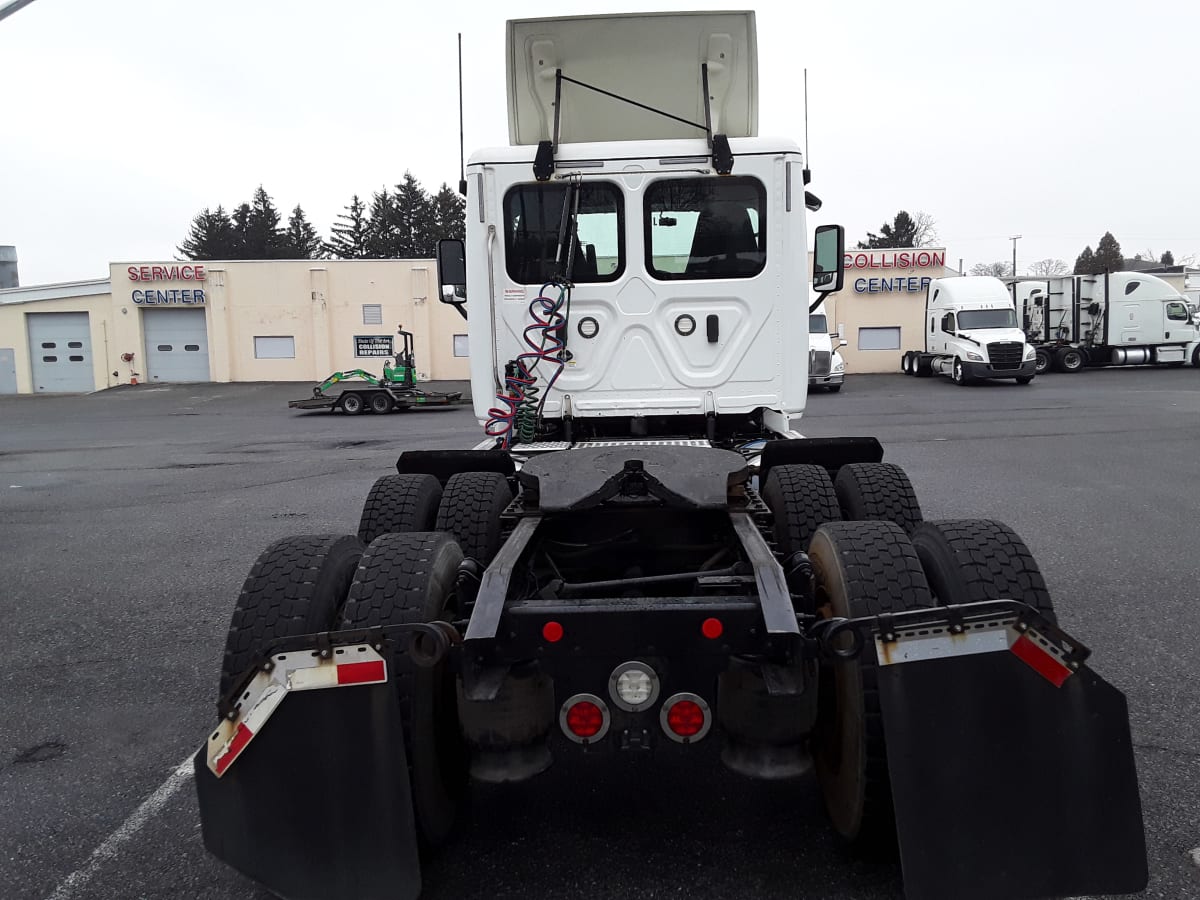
<point x="121" y="119"/>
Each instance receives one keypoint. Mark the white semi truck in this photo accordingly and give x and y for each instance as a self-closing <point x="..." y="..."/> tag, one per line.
<point x="971" y="333"/>
<point x="642" y="558"/>
<point x="1115" y="319"/>
<point x="826" y="367"/>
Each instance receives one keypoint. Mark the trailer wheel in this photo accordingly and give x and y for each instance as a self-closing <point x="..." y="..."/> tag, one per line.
<point x="381" y="403"/>
<point x="351" y="404"/>
<point x="1070" y="359"/>
<point x="801" y="499"/>
<point x="877" y="491"/>
<point x="1044" y="361"/>
<point x="972" y="560"/>
<point x="294" y="587"/>
<point x="405" y="579"/>
<point x="399" y="503"/>
<point x="860" y="569"/>
<point x="470" y="511"/>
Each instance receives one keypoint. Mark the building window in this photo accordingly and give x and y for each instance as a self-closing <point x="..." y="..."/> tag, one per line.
<point x="706" y="228"/>
<point x="532" y="218"/>
<point x="372" y="313"/>
<point x="879" y="338"/>
<point x="276" y="347"/>
<point x="460" y="345"/>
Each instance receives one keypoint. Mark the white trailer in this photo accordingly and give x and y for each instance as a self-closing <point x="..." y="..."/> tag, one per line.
<point x="826" y="367"/>
<point x="971" y="333"/>
<point x="1115" y="319"/>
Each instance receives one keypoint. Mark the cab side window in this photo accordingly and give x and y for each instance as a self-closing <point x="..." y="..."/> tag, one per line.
<point x="948" y="323"/>
<point x="1177" y="312"/>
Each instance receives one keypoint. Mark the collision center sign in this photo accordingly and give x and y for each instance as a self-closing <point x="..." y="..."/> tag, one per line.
<point x="893" y="259"/>
<point x="175" y="296"/>
<point x="372" y="345"/>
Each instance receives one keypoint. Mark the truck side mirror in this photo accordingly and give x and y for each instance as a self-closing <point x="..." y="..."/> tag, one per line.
<point x="829" y="265"/>
<point x="452" y="273"/>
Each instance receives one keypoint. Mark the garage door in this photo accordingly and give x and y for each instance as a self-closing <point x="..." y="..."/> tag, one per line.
<point x="60" y="347"/>
<point x="176" y="344"/>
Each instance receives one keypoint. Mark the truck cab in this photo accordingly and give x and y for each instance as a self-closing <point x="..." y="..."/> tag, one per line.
<point x="826" y="367"/>
<point x="972" y="332"/>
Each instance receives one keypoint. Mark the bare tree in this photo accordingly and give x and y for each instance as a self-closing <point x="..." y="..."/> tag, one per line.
<point x="1000" y="269"/>
<point x="925" y="234"/>
<point x="1049" y="267"/>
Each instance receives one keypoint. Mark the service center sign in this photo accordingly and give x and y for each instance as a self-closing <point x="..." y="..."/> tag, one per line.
<point x="372" y="345"/>
<point x="186" y="296"/>
<point x="893" y="259"/>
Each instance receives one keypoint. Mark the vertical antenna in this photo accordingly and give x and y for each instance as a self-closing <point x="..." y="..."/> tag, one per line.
<point x="462" y="176"/>
<point x="807" y="162"/>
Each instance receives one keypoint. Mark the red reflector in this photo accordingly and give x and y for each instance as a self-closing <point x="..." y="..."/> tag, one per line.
<point x="360" y="673"/>
<point x="1044" y="663"/>
<point x="685" y="718"/>
<point x="712" y="629"/>
<point x="552" y="632"/>
<point x="585" y="719"/>
<point x="241" y="738"/>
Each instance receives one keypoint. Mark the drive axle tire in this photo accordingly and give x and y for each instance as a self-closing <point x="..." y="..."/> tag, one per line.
<point x="1069" y="359"/>
<point x="407" y="579"/>
<point x="381" y="403"/>
<point x="352" y="404"/>
<point x="399" y="503"/>
<point x="906" y="364"/>
<point x="295" y="587"/>
<point x="801" y="499"/>
<point x="877" y="492"/>
<point x="922" y="366"/>
<point x="860" y="569"/>
<point x="972" y="560"/>
<point x="471" y="506"/>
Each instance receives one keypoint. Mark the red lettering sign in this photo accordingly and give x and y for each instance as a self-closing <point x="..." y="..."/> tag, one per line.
<point x="166" y="273"/>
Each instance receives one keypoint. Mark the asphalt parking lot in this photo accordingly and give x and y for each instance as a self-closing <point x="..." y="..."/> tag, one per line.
<point x="129" y="518"/>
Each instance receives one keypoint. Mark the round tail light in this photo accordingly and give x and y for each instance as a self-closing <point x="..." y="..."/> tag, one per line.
<point x="685" y="717"/>
<point x="584" y="718"/>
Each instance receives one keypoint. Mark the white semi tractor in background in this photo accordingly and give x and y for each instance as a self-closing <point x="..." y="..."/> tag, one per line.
<point x="1115" y="319"/>
<point x="971" y="333"/>
<point x="826" y="367"/>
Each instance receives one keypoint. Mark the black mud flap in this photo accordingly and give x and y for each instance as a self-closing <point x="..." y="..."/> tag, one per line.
<point x="318" y="806"/>
<point x="1006" y="786"/>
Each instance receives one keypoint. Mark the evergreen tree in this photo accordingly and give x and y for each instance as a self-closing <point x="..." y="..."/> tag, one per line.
<point x="264" y="237"/>
<point x="381" y="239"/>
<point x="449" y="214"/>
<point x="240" y="243"/>
<point x="415" y="220"/>
<point x="1108" y="255"/>
<point x="901" y="233"/>
<point x="1085" y="263"/>
<point x="1168" y="259"/>
<point x="210" y="237"/>
<point x="348" y="238"/>
<point x="301" y="240"/>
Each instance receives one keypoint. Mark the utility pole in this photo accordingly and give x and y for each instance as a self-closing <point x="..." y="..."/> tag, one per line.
<point x="1014" y="239"/>
<point x="9" y="8"/>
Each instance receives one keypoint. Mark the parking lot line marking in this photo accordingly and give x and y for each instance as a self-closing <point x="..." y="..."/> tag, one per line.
<point x="111" y="845"/>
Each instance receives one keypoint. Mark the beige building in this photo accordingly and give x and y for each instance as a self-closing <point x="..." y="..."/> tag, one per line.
<point x="226" y="321"/>
<point x="881" y="307"/>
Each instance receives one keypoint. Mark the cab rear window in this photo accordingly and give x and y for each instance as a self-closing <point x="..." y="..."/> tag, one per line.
<point x="533" y="217"/>
<point x="706" y="228"/>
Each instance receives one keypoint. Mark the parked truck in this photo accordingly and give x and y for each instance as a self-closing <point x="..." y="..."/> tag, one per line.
<point x="1115" y="319"/>
<point x="971" y="333"/>
<point x="826" y="367"/>
<point x="642" y="557"/>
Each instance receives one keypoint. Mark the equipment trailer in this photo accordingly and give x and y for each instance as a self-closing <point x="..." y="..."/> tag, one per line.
<point x="643" y="556"/>
<point x="362" y="391"/>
